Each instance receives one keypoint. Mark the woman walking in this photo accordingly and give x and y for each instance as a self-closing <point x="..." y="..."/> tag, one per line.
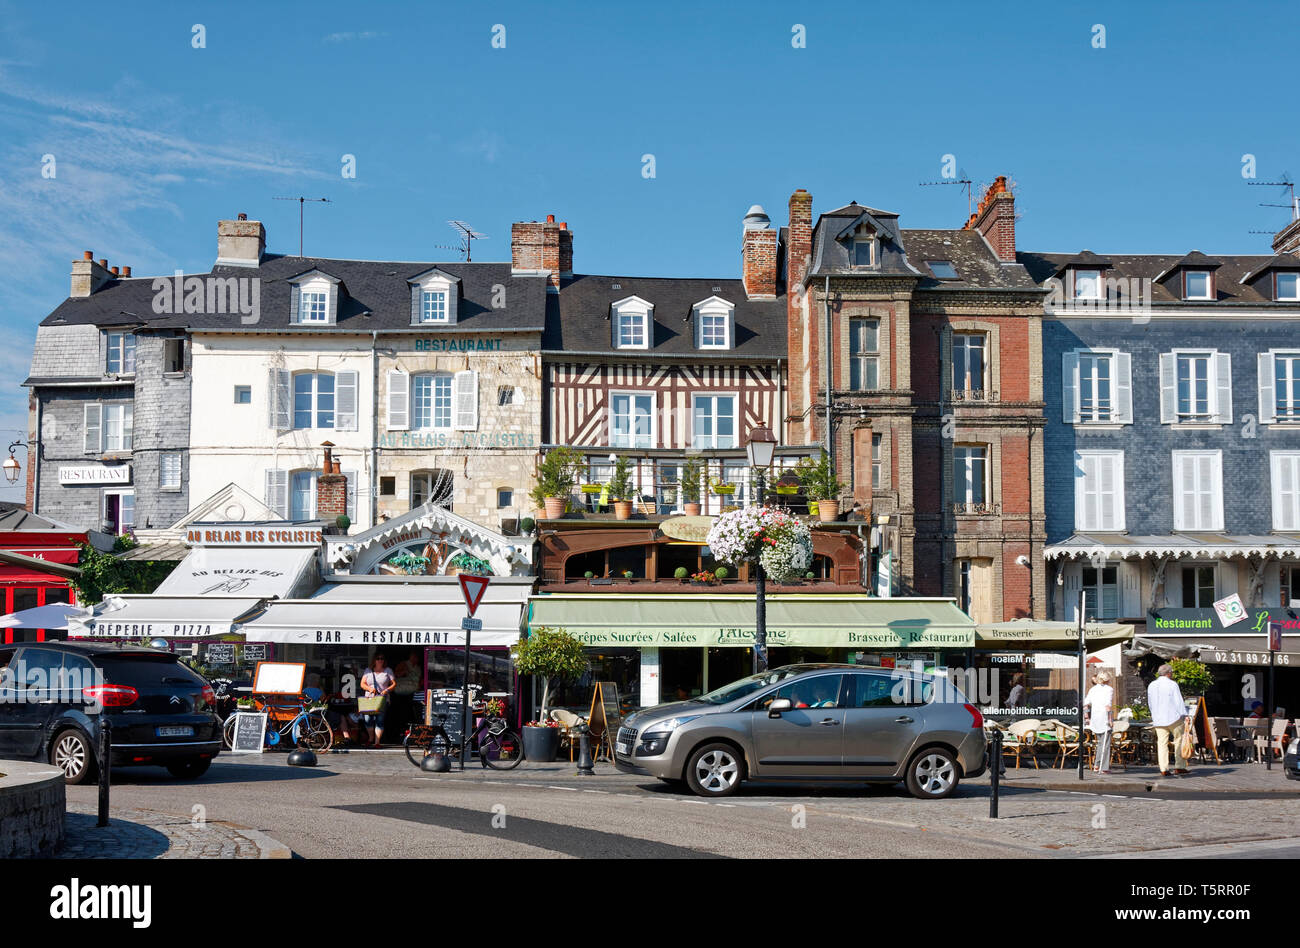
<point x="1099" y="712"/>
<point x="377" y="683"/>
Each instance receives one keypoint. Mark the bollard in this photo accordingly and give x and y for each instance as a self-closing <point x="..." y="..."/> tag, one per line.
<point x="104" y="741"/>
<point x="995" y="772"/>
<point x="585" y="763"/>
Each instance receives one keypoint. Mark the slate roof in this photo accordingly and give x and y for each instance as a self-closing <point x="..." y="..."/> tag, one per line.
<point x="15" y="517"/>
<point x="578" y="318"/>
<point x="1228" y="276"/>
<point x="377" y="298"/>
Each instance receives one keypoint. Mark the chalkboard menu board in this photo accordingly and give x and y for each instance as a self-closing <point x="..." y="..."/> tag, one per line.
<point x="250" y="731"/>
<point x="451" y="723"/>
<point x="255" y="652"/>
<point x="221" y="653"/>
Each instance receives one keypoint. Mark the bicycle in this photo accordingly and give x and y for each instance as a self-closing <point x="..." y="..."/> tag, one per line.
<point x="499" y="746"/>
<point x="304" y="723"/>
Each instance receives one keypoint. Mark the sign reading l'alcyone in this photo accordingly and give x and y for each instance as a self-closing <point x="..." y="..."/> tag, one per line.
<point x="692" y="529"/>
<point x="72" y="475"/>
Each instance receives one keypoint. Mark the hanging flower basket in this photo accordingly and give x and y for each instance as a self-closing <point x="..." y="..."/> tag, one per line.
<point x="592" y="488"/>
<point x="769" y="535"/>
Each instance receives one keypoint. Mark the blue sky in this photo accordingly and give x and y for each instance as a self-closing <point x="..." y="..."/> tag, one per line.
<point x="1134" y="147"/>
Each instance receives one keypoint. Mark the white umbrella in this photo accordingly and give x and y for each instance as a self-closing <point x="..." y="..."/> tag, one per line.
<point x="53" y="616"/>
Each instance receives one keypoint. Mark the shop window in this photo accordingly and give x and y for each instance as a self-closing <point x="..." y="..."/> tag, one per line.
<point x="823" y="567"/>
<point x="24" y="599"/>
<point x="627" y="558"/>
<point x="619" y="666"/>
<point x="673" y="556"/>
<point x="488" y="667"/>
<point x="578" y="565"/>
<point x="1198" y="587"/>
<point x="1101" y="591"/>
<point x="55" y="594"/>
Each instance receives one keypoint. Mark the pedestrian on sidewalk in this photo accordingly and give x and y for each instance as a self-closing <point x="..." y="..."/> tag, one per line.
<point x="379" y="683"/>
<point x="1168" y="715"/>
<point x="1099" y="712"/>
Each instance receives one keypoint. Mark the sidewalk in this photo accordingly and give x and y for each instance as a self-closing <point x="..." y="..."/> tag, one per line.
<point x="134" y="833"/>
<point x="1250" y="778"/>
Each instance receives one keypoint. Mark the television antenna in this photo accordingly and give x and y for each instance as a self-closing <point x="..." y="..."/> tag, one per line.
<point x="963" y="181"/>
<point x="301" y="201"/>
<point x="468" y="236"/>
<point x="1285" y="182"/>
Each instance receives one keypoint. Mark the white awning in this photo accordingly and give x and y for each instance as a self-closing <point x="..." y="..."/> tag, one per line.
<point x="1207" y="545"/>
<point x="388" y="614"/>
<point x="256" y="572"/>
<point x="185" y="617"/>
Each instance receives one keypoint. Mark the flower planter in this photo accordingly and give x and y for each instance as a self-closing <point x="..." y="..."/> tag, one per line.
<point x="541" y="743"/>
<point x="828" y="510"/>
<point x="692" y="510"/>
<point x="812" y="508"/>
<point x="622" y="509"/>
<point x="554" y="508"/>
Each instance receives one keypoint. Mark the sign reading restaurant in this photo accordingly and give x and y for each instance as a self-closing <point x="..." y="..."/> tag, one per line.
<point x="71" y="476"/>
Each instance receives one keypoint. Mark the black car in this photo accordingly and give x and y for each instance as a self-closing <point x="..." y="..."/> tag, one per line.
<point x="1291" y="759"/>
<point x="53" y="694"/>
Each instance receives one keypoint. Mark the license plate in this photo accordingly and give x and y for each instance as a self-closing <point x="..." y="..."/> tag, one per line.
<point x="623" y="749"/>
<point x="175" y="732"/>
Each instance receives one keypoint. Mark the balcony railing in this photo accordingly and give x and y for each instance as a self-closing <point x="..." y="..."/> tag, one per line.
<point x="967" y="508"/>
<point x="973" y="395"/>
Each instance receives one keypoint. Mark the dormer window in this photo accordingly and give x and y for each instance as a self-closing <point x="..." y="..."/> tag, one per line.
<point x="864" y="252"/>
<point x="631" y="320"/>
<point x="315" y="299"/>
<point x="314" y="306"/>
<point x="434" y="295"/>
<point x="1286" y="286"/>
<point x="942" y="269"/>
<point x="1087" y="284"/>
<point x="1198" y="285"/>
<point x="714" y="319"/>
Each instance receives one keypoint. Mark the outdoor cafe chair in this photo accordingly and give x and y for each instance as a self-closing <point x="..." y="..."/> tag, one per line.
<point x="1123" y="747"/>
<point x="568" y="721"/>
<point x="1023" y="737"/>
<point x="1067" y="743"/>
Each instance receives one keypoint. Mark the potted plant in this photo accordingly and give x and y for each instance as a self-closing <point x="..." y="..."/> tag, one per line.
<point x="692" y="477"/>
<point x="526" y="526"/>
<point x="588" y="576"/>
<point x="681" y="573"/>
<point x="770" y="535"/>
<point x="557" y="473"/>
<point x="821" y="484"/>
<point x="1193" y="678"/>
<point x="721" y="573"/>
<point x="628" y="575"/>
<point x="555" y="656"/>
<point x="703" y="578"/>
<point x="620" y="488"/>
<point x="721" y="488"/>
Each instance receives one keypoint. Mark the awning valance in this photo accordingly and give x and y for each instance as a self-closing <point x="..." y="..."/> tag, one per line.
<point x="135" y="617"/>
<point x="1040" y="635"/>
<point x="1191" y="545"/>
<point x="259" y="572"/>
<point x="720" y="620"/>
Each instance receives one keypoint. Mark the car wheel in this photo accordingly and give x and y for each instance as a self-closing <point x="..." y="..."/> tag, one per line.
<point x="715" y="770"/>
<point x="71" y="752"/>
<point x="191" y="768"/>
<point x="932" y="774"/>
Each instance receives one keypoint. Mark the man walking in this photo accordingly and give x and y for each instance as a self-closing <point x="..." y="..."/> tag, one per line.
<point x="1165" y="699"/>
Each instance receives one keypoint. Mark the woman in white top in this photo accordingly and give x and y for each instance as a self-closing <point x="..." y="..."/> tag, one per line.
<point x="378" y="682"/>
<point x="1099" y="713"/>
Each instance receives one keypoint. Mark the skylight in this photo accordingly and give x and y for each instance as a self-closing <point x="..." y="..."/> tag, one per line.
<point x="942" y="269"/>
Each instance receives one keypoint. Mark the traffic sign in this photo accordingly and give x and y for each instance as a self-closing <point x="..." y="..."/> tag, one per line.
<point x="468" y="624"/>
<point x="472" y="588"/>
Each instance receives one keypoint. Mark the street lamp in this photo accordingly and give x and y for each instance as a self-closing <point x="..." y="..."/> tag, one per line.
<point x="761" y="448"/>
<point x="11" y="466"/>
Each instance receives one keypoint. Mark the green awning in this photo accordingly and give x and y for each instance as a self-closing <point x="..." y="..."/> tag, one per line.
<point x="834" y="621"/>
<point x="1043" y="635"/>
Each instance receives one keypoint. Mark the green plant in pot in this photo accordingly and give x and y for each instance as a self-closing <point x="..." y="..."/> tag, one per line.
<point x="621" y="489"/>
<point x="555" y="656"/>
<point x="681" y="573"/>
<point x="821" y="485"/>
<point x="693" y="471"/>
<point x="557" y="473"/>
<point x="1193" y="677"/>
<point x="721" y="573"/>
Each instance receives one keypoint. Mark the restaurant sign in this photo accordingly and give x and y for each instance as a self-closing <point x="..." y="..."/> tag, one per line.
<point x="1192" y="621"/>
<point x="75" y="475"/>
<point x="690" y="529"/>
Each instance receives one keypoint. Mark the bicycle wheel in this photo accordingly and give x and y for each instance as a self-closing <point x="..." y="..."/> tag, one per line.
<point x="501" y="751"/>
<point x="416" y="744"/>
<point x="315" y="733"/>
<point x="228" y="732"/>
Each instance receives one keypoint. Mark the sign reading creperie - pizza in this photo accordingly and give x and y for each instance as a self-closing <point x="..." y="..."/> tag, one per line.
<point x="253" y="536"/>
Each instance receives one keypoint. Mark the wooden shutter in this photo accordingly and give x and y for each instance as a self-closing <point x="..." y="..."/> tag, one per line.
<point x="1267" y="389"/>
<point x="351" y="495"/>
<point x="295" y="292"/>
<point x="464" y="400"/>
<point x="1106" y="492"/>
<point x="93" y="415"/>
<point x="453" y="296"/>
<point x="277" y="491"/>
<point x="416" y="302"/>
<point x="345" y="401"/>
<point x="1085" y="479"/>
<point x="1070" y="387"/>
<point x="1168" y="389"/>
<point x="1130" y="589"/>
<point x="1223" y="389"/>
<point x="1124" y="390"/>
<point x="399" y="401"/>
<point x="279" y="400"/>
<point x="1286" y="491"/>
<point x="332" y="306"/>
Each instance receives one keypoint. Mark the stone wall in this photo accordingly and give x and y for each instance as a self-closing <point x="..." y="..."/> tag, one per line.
<point x="32" y="804"/>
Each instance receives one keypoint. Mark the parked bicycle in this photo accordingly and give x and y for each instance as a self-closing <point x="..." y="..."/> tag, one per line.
<point x="289" y="719"/>
<point x="499" y="746"/>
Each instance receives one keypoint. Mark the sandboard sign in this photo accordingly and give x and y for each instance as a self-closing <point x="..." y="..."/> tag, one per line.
<point x="250" y="733"/>
<point x="472" y="588"/>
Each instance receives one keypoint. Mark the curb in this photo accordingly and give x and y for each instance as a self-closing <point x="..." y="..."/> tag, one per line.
<point x="267" y="847"/>
<point x="1178" y="784"/>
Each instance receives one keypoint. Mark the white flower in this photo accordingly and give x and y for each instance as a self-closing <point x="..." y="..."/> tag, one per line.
<point x="779" y="541"/>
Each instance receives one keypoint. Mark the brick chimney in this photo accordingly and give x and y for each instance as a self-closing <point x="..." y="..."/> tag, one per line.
<point x="566" y="251"/>
<point x="996" y="219"/>
<point x="240" y="243"/>
<point x="331" y="489"/>
<point x="88" y="275"/>
<point x="798" y="253"/>
<point x="535" y="247"/>
<point x="758" y="255"/>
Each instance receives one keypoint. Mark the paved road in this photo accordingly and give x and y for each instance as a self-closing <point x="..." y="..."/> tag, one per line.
<point x="378" y="805"/>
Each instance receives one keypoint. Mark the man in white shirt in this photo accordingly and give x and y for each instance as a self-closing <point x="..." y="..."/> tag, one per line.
<point x="1168" y="714"/>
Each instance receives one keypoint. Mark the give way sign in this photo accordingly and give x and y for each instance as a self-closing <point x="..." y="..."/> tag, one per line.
<point x="472" y="588"/>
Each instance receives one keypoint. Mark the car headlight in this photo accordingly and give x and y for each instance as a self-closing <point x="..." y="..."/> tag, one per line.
<point x="671" y="724"/>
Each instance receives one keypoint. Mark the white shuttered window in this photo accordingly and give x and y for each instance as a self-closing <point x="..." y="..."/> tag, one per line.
<point x="1099" y="490"/>
<point x="1286" y="490"/>
<point x="1198" y="490"/>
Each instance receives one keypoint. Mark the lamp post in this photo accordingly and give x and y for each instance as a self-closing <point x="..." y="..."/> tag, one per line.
<point x="11" y="466"/>
<point x="760" y="447"/>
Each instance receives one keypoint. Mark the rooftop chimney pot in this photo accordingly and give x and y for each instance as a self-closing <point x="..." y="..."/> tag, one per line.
<point x="88" y="255"/>
<point x="103" y="263"/>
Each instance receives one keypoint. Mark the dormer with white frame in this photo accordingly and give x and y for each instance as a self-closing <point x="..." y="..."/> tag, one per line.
<point x="715" y="323"/>
<point x="632" y="323"/>
<point x="314" y="299"/>
<point x="435" y="295"/>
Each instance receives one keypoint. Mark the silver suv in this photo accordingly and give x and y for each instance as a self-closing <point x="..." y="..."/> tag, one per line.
<point x="808" y="723"/>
